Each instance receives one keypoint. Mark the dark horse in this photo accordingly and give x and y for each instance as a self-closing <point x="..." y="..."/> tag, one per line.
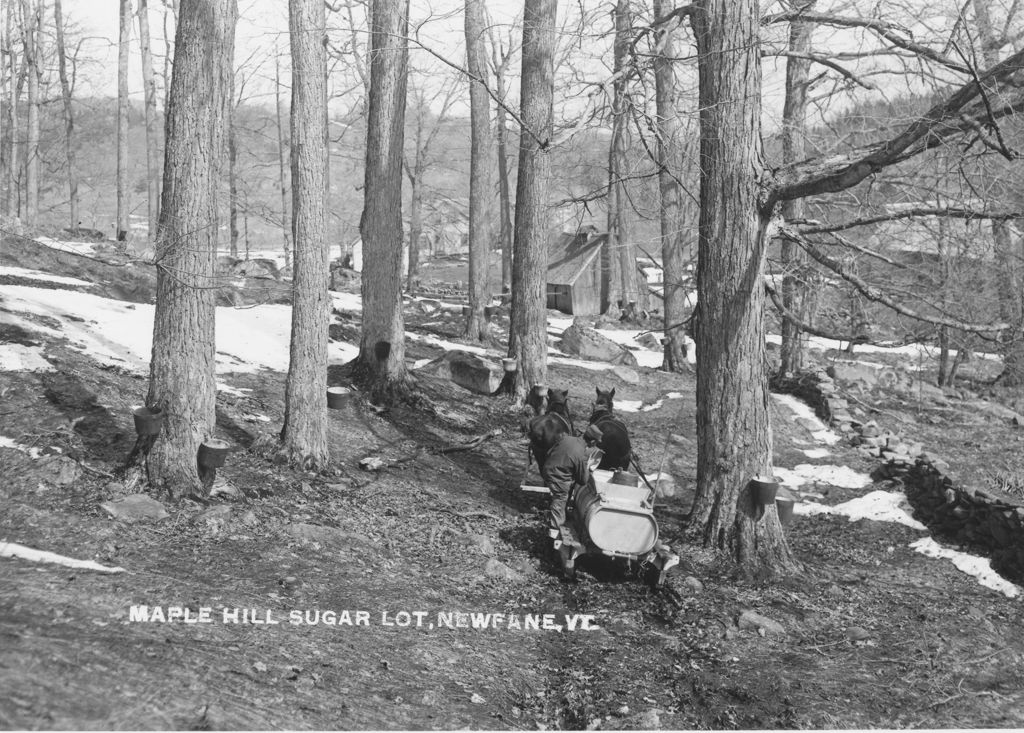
<point x="545" y="430"/>
<point x="618" y="451"/>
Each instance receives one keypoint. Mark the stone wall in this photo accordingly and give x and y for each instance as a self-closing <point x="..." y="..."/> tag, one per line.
<point x="985" y="523"/>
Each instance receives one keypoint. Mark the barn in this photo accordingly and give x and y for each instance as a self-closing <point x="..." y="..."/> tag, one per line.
<point x="574" y="272"/>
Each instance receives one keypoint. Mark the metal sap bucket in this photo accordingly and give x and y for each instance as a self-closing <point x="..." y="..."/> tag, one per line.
<point x="618" y="518"/>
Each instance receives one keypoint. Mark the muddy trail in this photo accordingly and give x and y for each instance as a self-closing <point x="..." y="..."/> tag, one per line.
<point x="358" y="599"/>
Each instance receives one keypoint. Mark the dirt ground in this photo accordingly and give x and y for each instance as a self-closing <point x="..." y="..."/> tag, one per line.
<point x="873" y="634"/>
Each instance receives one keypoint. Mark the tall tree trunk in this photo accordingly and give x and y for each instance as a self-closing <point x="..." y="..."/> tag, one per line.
<point x="233" y="182"/>
<point x="282" y="179"/>
<point x="620" y="245"/>
<point x="1009" y="250"/>
<point x="304" y="436"/>
<point x="415" y="223"/>
<point x="504" y="195"/>
<point x="152" y="138"/>
<point x="69" y="114"/>
<point x="794" y="127"/>
<point x="671" y="210"/>
<point x="125" y="17"/>
<point x="182" y="380"/>
<point x="32" y="69"/>
<point x="481" y="173"/>
<point x="528" y="331"/>
<point x="381" y="360"/>
<point x="171" y="5"/>
<point x="734" y="441"/>
<point x="10" y="135"/>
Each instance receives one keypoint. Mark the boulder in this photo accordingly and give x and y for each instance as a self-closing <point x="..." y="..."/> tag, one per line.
<point x="854" y="374"/>
<point x="59" y="470"/>
<point x="469" y="371"/>
<point x="497" y="569"/>
<point x="626" y="374"/>
<point x="259" y="267"/>
<point x="754" y="620"/>
<point x="136" y="508"/>
<point x="587" y="343"/>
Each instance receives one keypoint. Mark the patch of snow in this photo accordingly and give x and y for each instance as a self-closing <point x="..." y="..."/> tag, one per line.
<point x="352" y="302"/>
<point x="978" y="567"/>
<point x="816" y="452"/>
<point x="881" y="506"/>
<point x="237" y="391"/>
<point x="253" y="417"/>
<point x="11" y="549"/>
<point x="19" y="358"/>
<point x="841" y="476"/>
<point x="118" y="333"/>
<point x="6" y="442"/>
<point x="80" y="248"/>
<point x="802" y="410"/>
<point x="639" y="406"/>
<point x="421" y="363"/>
<point x="629" y="405"/>
<point x="446" y="345"/>
<point x="41" y="276"/>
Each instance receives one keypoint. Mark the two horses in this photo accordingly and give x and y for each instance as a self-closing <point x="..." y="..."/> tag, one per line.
<point x="545" y="430"/>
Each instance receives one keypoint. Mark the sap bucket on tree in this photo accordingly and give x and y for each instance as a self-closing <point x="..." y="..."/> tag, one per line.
<point x="509" y="365"/>
<point x="764" y="489"/>
<point x="338" y="397"/>
<point x="213" y="453"/>
<point x="148" y="420"/>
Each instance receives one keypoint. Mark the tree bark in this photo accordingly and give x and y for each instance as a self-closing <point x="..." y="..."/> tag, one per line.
<point x="233" y="182"/>
<point x="32" y="69"/>
<point x="481" y="173"/>
<point x="152" y="139"/>
<point x="123" y="106"/>
<point x="182" y="380"/>
<point x="69" y="115"/>
<point x="1009" y="255"/>
<point x="304" y="436"/>
<point x="381" y="361"/>
<point x="415" y="223"/>
<point x="282" y="179"/>
<point x="504" y="194"/>
<point x="671" y="211"/>
<point x="528" y="331"/>
<point x="734" y="441"/>
<point x="10" y="137"/>
<point x="794" y="130"/>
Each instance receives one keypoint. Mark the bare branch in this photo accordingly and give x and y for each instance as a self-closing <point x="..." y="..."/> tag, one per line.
<point x="918" y="211"/>
<point x="875" y="294"/>
<point x="932" y="129"/>
<point x="888" y="31"/>
<point x="824" y="61"/>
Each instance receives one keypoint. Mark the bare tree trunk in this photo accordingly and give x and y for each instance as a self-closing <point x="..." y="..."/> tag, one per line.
<point x="1009" y="256"/>
<point x="69" y="114"/>
<point x="285" y="229"/>
<point x="381" y="360"/>
<point x="794" y="126"/>
<point x="481" y="173"/>
<point x="32" y="69"/>
<point x="171" y="5"/>
<point x="528" y="332"/>
<point x="619" y="241"/>
<point x="152" y="138"/>
<point x="233" y="182"/>
<point x="504" y="195"/>
<point x="304" y="436"/>
<point x="10" y="136"/>
<point x="182" y="380"/>
<point x="671" y="210"/>
<point x="125" y="16"/>
<point x="734" y="441"/>
<point x="415" y="223"/>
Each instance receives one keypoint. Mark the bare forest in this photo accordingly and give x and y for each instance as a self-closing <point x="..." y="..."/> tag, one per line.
<point x="311" y="311"/>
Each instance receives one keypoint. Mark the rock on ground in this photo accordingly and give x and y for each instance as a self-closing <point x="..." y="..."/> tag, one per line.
<point x="136" y="508"/>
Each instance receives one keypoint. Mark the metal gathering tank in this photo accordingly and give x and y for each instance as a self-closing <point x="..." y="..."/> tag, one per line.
<point x="617" y="517"/>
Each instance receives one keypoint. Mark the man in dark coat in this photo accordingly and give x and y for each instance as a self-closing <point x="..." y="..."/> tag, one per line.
<point x="565" y="471"/>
